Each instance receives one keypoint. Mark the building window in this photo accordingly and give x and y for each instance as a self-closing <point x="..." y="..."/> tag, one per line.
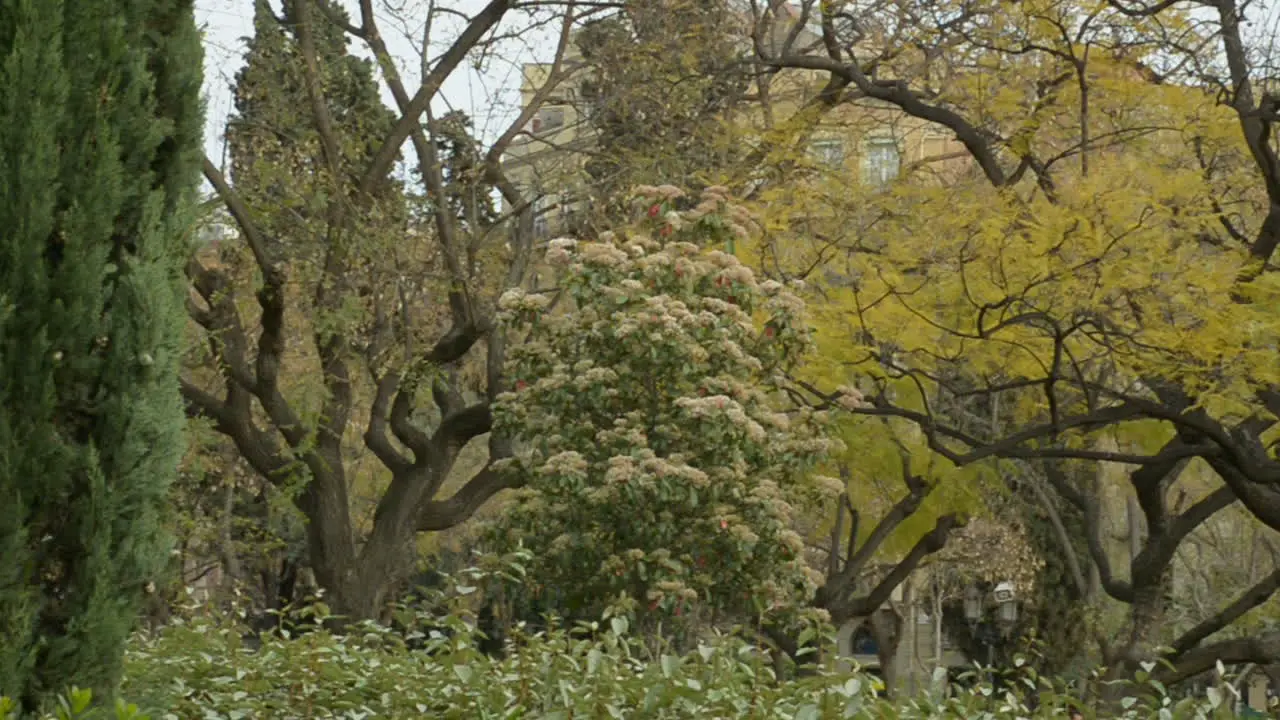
<point x="863" y="642"/>
<point x="828" y="152"/>
<point x="881" y="162"/>
<point x="547" y="120"/>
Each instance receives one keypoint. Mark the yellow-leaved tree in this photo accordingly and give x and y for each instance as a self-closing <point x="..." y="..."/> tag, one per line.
<point x="1076" y="280"/>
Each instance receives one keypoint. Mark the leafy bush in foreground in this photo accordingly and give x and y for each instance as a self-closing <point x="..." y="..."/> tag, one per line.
<point x="203" y="669"/>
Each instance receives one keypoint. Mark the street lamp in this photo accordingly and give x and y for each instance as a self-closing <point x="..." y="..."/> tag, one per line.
<point x="1006" y="605"/>
<point x="1006" y="615"/>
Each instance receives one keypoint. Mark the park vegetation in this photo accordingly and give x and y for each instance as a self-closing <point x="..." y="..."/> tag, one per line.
<point x="101" y="123"/>
<point x="852" y="308"/>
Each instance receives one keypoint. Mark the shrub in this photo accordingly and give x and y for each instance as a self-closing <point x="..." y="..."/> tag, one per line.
<point x="202" y="669"/>
<point x="660" y="458"/>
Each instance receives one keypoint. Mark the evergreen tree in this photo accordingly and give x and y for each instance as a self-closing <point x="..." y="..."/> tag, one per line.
<point x="100" y="129"/>
<point x="277" y="163"/>
<point x="662" y="79"/>
<point x="470" y="197"/>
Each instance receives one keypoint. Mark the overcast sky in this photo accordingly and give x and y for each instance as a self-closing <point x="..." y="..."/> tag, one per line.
<point x="489" y="96"/>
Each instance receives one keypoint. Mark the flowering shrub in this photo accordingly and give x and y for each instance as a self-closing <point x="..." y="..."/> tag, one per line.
<point x="659" y="457"/>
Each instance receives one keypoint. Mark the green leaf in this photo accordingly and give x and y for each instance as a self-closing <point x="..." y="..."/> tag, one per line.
<point x="808" y="712"/>
<point x="669" y="664"/>
<point x="618" y="624"/>
<point x="1214" y="695"/>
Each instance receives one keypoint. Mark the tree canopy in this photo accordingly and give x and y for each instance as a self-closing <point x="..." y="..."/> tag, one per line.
<point x="1098" y="289"/>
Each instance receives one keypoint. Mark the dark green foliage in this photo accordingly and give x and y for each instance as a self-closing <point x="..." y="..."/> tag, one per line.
<point x="470" y="195"/>
<point x="663" y="79"/>
<point x="100" y="129"/>
<point x="277" y="163"/>
<point x="1059" y="616"/>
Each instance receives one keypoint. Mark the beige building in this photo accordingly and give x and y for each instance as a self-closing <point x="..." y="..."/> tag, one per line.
<point x="867" y="144"/>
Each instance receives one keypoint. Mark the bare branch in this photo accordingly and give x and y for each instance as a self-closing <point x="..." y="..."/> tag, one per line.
<point x="444" y="514"/>
<point x="1262" y="649"/>
<point x="1246" y="601"/>
<point x="414" y="109"/>
<point x="932" y="542"/>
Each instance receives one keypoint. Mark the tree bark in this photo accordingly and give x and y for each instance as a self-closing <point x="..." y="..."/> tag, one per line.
<point x="886" y="628"/>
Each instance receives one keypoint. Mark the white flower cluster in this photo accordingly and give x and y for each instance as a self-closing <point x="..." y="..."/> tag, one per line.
<point x="661" y="192"/>
<point x="828" y="485"/>
<point x="603" y="255"/>
<point x="560" y="251"/>
<point x="516" y="301"/>
<point x="722" y="405"/>
<point x="568" y="463"/>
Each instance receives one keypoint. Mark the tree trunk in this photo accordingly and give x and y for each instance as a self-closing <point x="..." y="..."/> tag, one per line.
<point x="360" y="584"/>
<point x="886" y="628"/>
<point x="231" y="570"/>
<point x="1141" y="639"/>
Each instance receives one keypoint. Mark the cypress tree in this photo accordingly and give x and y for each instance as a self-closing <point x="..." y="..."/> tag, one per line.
<point x="276" y="161"/>
<point x="662" y="79"/>
<point x="100" y="130"/>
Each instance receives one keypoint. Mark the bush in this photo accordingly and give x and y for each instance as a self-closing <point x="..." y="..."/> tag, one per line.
<point x="202" y="669"/>
<point x="660" y="458"/>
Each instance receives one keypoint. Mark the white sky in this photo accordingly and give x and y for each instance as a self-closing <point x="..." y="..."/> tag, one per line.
<point x="490" y="95"/>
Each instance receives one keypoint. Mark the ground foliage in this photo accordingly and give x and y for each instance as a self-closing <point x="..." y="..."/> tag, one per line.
<point x="202" y="668"/>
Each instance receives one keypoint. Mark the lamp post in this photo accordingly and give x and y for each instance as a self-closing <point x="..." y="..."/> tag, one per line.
<point x="1006" y="605"/>
<point x="1006" y="615"/>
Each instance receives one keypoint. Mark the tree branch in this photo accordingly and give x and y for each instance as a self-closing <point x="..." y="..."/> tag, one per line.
<point x="842" y="609"/>
<point x="444" y="514"/>
<point x="917" y="491"/>
<point x="375" y="435"/>
<point x="1064" y="539"/>
<point x="271" y="300"/>
<point x="1089" y="505"/>
<point x="1248" y="600"/>
<point x="1161" y="547"/>
<point x="1260" y="649"/>
<point x="413" y="111"/>
<point x="896" y="92"/>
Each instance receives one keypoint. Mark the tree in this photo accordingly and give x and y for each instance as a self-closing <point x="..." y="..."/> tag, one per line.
<point x="278" y="165"/>
<point x="662" y="80"/>
<point x="380" y="315"/>
<point x="277" y="155"/>
<point x="462" y="170"/>
<point x="1074" y="307"/>
<point x="658" y="459"/>
<point x="101" y="125"/>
